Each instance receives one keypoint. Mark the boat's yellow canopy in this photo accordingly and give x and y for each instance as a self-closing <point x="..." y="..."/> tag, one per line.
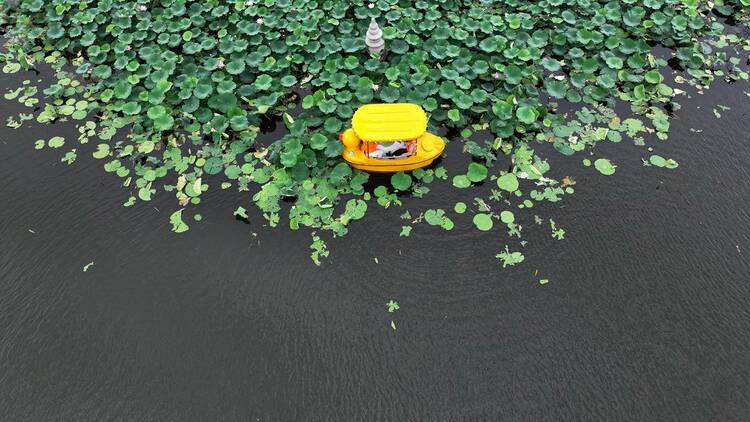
<point x="389" y="122"/>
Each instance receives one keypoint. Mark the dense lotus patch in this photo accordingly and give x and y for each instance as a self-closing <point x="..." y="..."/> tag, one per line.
<point x="174" y="93"/>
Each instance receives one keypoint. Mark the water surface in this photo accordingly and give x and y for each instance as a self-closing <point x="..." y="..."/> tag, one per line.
<point x="646" y="315"/>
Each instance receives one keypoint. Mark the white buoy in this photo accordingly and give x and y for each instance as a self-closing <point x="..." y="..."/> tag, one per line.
<point x="374" y="38"/>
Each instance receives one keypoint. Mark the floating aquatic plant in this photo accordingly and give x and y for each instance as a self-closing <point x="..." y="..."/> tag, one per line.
<point x="174" y="93"/>
<point x="508" y="257"/>
<point x="392" y="306"/>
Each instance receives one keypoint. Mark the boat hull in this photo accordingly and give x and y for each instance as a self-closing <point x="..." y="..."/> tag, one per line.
<point x="391" y="168"/>
<point x="429" y="148"/>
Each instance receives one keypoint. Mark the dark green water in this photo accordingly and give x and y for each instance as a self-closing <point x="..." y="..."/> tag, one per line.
<point x="646" y="315"/>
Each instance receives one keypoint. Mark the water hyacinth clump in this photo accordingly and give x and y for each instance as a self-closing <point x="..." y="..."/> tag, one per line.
<point x="174" y="92"/>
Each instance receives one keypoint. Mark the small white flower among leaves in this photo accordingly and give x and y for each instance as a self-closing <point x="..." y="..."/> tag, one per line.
<point x="221" y="64"/>
<point x="371" y="5"/>
<point x="259" y="21"/>
<point x="375" y="87"/>
<point x="141" y="8"/>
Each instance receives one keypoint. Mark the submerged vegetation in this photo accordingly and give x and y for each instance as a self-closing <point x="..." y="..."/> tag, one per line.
<point x="174" y="93"/>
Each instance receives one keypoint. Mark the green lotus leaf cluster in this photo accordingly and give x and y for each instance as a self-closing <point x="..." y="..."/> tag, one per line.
<point x="176" y="91"/>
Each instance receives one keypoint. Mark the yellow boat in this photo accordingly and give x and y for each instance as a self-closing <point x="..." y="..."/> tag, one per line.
<point x="402" y="126"/>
